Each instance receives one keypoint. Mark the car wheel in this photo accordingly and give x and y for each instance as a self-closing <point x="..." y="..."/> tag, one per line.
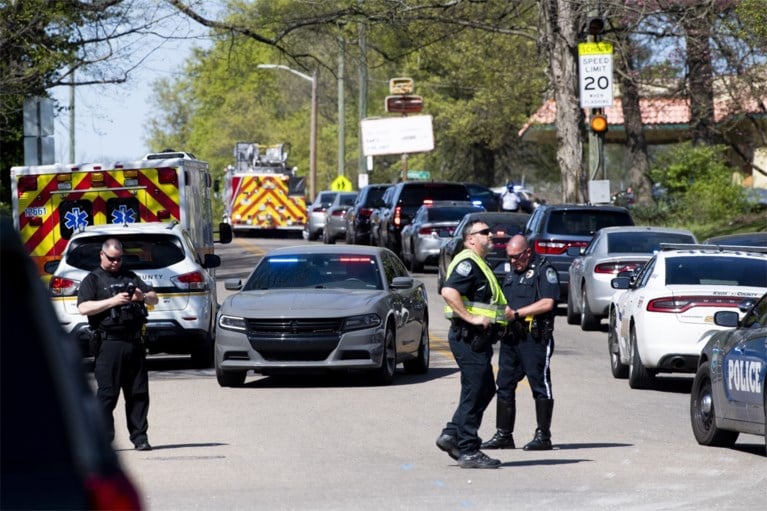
<point x="572" y="317"/>
<point x="384" y="375"/>
<point x="314" y="235"/>
<point x="202" y="354"/>
<point x="588" y="320"/>
<point x="348" y="237"/>
<point x="230" y="378"/>
<point x="703" y="412"/>
<point x="619" y="369"/>
<point x="420" y="365"/>
<point x="415" y="264"/>
<point x="639" y="376"/>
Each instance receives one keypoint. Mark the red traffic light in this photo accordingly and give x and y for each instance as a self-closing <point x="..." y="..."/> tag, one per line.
<point x="404" y="104"/>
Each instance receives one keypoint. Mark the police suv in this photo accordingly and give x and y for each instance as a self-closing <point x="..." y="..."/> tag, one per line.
<point x="161" y="254"/>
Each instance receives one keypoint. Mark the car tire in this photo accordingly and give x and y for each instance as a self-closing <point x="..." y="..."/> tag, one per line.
<point x="703" y="412"/>
<point x="202" y="354"/>
<point x="639" y="376"/>
<point x="420" y="365"/>
<point x="348" y="236"/>
<point x="587" y="319"/>
<point x="384" y="375"/>
<point x="314" y="236"/>
<point x="415" y="264"/>
<point x="572" y="317"/>
<point x="618" y="368"/>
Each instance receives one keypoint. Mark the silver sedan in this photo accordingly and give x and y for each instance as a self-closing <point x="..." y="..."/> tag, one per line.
<point x="612" y="249"/>
<point x="317" y="308"/>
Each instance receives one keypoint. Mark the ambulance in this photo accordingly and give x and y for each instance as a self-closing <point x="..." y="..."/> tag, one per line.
<point x="52" y="202"/>
<point x="261" y="192"/>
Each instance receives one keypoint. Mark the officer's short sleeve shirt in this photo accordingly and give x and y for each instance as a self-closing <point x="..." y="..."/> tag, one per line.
<point x="539" y="280"/>
<point x="470" y="282"/>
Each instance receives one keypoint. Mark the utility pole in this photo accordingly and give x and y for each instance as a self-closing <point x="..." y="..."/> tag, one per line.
<point x="341" y="123"/>
<point x="362" y="101"/>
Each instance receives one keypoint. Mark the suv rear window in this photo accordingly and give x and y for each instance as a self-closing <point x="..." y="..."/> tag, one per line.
<point x="145" y="253"/>
<point x="585" y="222"/>
<point x="415" y="195"/>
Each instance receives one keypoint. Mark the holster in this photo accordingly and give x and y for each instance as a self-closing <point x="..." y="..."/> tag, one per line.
<point x="94" y="343"/>
<point x="479" y="337"/>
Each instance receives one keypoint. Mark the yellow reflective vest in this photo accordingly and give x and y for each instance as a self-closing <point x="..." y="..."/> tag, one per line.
<point x="496" y="309"/>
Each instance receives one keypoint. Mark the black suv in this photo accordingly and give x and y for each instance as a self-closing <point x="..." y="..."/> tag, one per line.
<point x="553" y="228"/>
<point x="358" y="216"/>
<point x="402" y="201"/>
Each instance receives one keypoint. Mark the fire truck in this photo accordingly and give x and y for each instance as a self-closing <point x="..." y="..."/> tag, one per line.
<point x="51" y="202"/>
<point x="261" y="192"/>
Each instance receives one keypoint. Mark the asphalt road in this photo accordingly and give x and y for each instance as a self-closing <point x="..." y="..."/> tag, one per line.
<point x="335" y="443"/>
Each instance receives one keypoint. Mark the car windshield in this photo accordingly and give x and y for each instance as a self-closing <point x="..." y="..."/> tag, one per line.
<point x="716" y="271"/>
<point x="373" y="195"/>
<point x="338" y="271"/>
<point x="326" y="199"/>
<point x="586" y="222"/>
<point x="643" y="242"/>
<point x="416" y="195"/>
<point x="347" y="199"/>
<point x="145" y="252"/>
<point x="449" y="214"/>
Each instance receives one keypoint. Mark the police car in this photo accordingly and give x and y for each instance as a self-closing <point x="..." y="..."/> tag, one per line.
<point x="659" y="315"/>
<point x="161" y="254"/>
<point x="728" y="393"/>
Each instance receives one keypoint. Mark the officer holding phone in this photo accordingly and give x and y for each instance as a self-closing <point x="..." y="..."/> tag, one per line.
<point x="114" y="300"/>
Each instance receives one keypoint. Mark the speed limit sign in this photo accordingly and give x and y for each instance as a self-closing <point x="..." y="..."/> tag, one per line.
<point x="595" y="71"/>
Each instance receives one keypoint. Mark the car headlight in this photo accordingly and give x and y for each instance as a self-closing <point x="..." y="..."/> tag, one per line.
<point x="361" y="322"/>
<point x="232" y="323"/>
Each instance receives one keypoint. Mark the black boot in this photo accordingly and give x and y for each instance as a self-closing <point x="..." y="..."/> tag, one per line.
<point x="506" y="412"/>
<point x="542" y="440"/>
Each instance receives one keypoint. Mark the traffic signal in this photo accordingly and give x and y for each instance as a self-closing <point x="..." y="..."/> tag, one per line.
<point x="598" y="123"/>
<point x="404" y="104"/>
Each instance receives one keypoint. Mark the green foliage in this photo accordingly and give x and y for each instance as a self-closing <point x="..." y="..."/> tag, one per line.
<point x="700" y="186"/>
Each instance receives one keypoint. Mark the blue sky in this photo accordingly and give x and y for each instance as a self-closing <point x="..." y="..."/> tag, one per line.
<point x="111" y="120"/>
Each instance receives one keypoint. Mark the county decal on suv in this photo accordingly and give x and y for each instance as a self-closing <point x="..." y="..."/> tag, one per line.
<point x="552" y="229"/>
<point x="161" y="254"/>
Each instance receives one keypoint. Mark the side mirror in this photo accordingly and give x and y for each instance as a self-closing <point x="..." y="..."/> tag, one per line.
<point x="233" y="284"/>
<point x="726" y="318"/>
<point x="402" y="283"/>
<point x="211" y="261"/>
<point x="225" y="234"/>
<point x="620" y="283"/>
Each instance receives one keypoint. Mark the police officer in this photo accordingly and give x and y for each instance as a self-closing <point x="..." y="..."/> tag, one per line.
<point x="531" y="290"/>
<point x="113" y="299"/>
<point x="475" y="305"/>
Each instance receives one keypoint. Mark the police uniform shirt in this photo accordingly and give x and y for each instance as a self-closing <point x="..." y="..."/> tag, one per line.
<point x="470" y="282"/>
<point x="92" y="288"/>
<point x="538" y="281"/>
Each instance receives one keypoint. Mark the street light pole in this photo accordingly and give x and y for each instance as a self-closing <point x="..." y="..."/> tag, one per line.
<point x="313" y="122"/>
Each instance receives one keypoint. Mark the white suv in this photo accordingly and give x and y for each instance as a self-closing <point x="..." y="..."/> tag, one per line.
<point x="161" y="254"/>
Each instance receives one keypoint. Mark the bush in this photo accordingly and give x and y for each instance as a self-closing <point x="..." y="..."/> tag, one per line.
<point x="699" y="184"/>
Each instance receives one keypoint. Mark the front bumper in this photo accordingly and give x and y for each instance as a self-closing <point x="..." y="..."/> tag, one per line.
<point x="359" y="349"/>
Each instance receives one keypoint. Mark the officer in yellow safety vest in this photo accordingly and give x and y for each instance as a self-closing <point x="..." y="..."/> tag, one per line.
<point x="476" y="307"/>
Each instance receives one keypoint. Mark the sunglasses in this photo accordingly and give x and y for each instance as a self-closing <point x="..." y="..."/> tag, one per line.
<point x="483" y="232"/>
<point x="114" y="259"/>
<point x="514" y="257"/>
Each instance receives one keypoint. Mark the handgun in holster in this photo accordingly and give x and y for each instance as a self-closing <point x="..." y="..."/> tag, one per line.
<point x="94" y="343"/>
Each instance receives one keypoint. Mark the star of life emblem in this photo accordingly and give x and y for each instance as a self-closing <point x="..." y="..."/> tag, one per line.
<point x="75" y="219"/>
